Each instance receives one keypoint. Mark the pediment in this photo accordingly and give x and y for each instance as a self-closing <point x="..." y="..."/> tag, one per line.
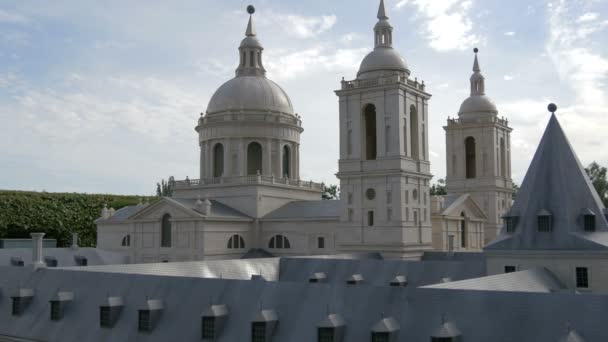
<point x="157" y="210"/>
<point x="465" y="203"/>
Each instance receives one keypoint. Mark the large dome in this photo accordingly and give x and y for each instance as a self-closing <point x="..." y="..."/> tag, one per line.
<point x="383" y="58"/>
<point x="250" y="93"/>
<point x="478" y="104"/>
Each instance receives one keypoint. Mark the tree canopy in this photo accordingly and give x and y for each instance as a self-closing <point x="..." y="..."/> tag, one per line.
<point x="331" y="192"/>
<point x="438" y="189"/>
<point x="597" y="174"/>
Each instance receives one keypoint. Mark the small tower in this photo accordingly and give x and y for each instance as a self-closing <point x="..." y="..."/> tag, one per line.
<point x="384" y="169"/>
<point x="478" y="154"/>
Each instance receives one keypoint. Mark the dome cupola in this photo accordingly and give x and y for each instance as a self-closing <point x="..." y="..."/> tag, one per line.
<point x="384" y="58"/>
<point x="478" y="103"/>
<point x="250" y="90"/>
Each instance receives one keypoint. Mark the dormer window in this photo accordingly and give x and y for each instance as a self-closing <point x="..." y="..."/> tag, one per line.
<point x="50" y="261"/>
<point x="110" y="311"/>
<point x="511" y="223"/>
<point x="355" y="279"/>
<point x="318" y="277"/>
<point x="447" y="332"/>
<point x="59" y="304"/>
<point x="21" y="301"/>
<point x="17" y="261"/>
<point x="149" y="316"/>
<point x="588" y="220"/>
<point x="263" y="326"/>
<point x="331" y="329"/>
<point x="213" y="321"/>
<point x="80" y="260"/>
<point x="387" y="330"/>
<point x="545" y="222"/>
<point x="399" y="281"/>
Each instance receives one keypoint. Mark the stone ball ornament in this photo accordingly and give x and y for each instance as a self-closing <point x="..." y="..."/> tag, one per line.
<point x="250" y="9"/>
<point x="552" y="107"/>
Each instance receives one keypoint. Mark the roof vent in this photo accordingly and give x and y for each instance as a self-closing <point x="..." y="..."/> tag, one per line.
<point x="80" y="260"/>
<point x="21" y="301"/>
<point x="264" y="326"/>
<point x="109" y="311"/>
<point x="332" y="328"/>
<point x="17" y="261"/>
<point x="149" y="315"/>
<point x="213" y="321"/>
<point x="399" y="280"/>
<point x="572" y="336"/>
<point x="386" y="330"/>
<point x="59" y="303"/>
<point x="446" y="279"/>
<point x="447" y="332"/>
<point x="355" y="279"/>
<point x="318" y="277"/>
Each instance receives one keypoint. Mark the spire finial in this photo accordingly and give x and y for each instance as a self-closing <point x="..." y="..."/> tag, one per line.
<point x="552" y="107"/>
<point x="382" y="11"/>
<point x="250" y="27"/>
<point x="476" y="63"/>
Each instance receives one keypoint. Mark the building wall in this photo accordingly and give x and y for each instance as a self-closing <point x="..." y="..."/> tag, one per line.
<point x="562" y="264"/>
<point x="302" y="235"/>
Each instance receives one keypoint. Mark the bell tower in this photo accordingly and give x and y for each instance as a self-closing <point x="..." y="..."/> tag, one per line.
<point x="478" y="153"/>
<point x="384" y="168"/>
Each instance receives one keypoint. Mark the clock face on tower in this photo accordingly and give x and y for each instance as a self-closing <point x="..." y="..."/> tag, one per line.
<point x="370" y="194"/>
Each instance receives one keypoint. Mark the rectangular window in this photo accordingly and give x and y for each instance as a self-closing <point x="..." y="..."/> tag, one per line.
<point x="80" y="260"/>
<point x="582" y="277"/>
<point x="544" y="223"/>
<point x="589" y="223"/>
<point x="389" y="197"/>
<point x="320" y="242"/>
<point x="104" y="317"/>
<point x="56" y="311"/>
<point x="144" y="320"/>
<point x="511" y="223"/>
<point x="407" y="197"/>
<point x="370" y="218"/>
<point x="16" y="306"/>
<point x="208" y="328"/>
<point x="325" y="335"/>
<point x="350" y="198"/>
<point x="350" y="215"/>
<point x="510" y="269"/>
<point x="258" y="332"/>
<point x="389" y="214"/>
<point x="380" y="337"/>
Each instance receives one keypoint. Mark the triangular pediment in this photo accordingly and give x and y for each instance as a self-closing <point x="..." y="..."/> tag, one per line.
<point x="458" y="204"/>
<point x="165" y="205"/>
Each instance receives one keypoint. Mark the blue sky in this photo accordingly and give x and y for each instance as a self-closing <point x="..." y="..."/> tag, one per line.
<point x="103" y="96"/>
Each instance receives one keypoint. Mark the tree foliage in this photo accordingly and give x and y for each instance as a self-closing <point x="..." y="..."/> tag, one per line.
<point x="331" y="192"/>
<point x="597" y="174"/>
<point x="438" y="188"/>
<point x="56" y="214"/>
<point x="165" y="188"/>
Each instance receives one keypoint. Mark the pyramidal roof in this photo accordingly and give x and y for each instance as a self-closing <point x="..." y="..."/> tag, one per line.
<point x="556" y="183"/>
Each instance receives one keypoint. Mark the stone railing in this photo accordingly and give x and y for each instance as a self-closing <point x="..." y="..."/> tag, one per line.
<point x="251" y="179"/>
<point x="242" y="116"/>
<point x="381" y="81"/>
<point x="484" y="119"/>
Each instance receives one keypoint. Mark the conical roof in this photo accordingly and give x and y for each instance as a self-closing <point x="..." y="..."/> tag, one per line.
<point x="557" y="183"/>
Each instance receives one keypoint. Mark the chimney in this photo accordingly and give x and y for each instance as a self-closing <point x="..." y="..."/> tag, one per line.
<point x="37" y="250"/>
<point x="111" y="212"/>
<point x="74" y="241"/>
<point x="104" y="212"/>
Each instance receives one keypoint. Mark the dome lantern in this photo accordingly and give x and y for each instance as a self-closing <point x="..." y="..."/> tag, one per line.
<point x="250" y="51"/>
<point x="478" y="102"/>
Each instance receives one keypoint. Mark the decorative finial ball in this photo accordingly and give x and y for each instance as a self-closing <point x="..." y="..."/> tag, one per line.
<point x="250" y="9"/>
<point x="476" y="50"/>
<point x="552" y="107"/>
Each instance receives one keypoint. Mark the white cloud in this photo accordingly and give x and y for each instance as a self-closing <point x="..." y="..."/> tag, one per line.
<point x="590" y="16"/>
<point x="507" y="77"/>
<point x="302" y="26"/>
<point x="12" y="18"/>
<point x="448" y="24"/>
<point x="401" y="3"/>
<point x="510" y="33"/>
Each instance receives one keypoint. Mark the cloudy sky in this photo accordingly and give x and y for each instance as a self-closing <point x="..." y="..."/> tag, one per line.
<point x="103" y="96"/>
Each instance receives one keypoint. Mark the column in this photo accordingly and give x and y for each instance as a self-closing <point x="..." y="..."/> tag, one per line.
<point x="227" y="158"/>
<point x="267" y="158"/>
<point x="242" y="168"/>
<point x="202" y="161"/>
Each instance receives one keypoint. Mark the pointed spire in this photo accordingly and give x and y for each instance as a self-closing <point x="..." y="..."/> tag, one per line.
<point x="476" y="63"/>
<point x="250" y="51"/>
<point x="478" y="86"/>
<point x="382" y="11"/>
<point x="250" y="26"/>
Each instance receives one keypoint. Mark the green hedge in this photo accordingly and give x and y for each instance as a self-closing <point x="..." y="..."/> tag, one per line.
<point x="56" y="214"/>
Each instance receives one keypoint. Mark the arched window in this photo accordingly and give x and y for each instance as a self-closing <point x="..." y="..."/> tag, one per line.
<point x="503" y="158"/>
<point x="126" y="241"/>
<point x="165" y="234"/>
<point x="279" y="242"/>
<point x="254" y="158"/>
<point x="369" y="141"/>
<point x="236" y="242"/>
<point x="414" y="132"/>
<point x="218" y="160"/>
<point x="469" y="144"/>
<point x="463" y="231"/>
<point x="286" y="162"/>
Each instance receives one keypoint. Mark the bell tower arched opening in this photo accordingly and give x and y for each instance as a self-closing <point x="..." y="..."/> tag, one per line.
<point x="469" y="144"/>
<point x="369" y="137"/>
<point x="254" y="158"/>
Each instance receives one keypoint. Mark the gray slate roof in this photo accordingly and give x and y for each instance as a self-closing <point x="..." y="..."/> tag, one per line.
<point x="65" y="256"/>
<point x="218" y="210"/>
<point x="556" y="182"/>
<point x="322" y="209"/>
<point x="531" y="280"/>
<point x="480" y="316"/>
